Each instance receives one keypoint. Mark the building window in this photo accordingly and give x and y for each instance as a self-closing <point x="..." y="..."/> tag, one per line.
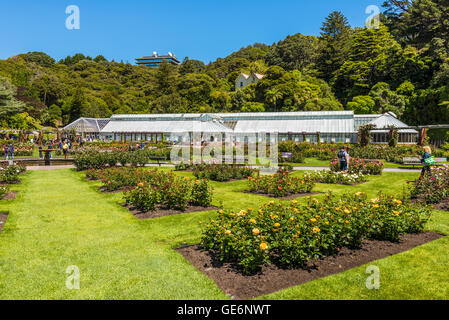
<point x="241" y="84"/>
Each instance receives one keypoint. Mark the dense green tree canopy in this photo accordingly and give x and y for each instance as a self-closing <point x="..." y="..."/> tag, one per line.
<point x="403" y="67"/>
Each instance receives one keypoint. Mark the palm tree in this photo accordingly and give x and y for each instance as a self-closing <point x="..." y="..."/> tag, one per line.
<point x="273" y="96"/>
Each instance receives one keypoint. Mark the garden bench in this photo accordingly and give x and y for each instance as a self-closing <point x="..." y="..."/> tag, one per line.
<point x="234" y="159"/>
<point x="158" y="159"/>
<point x="417" y="162"/>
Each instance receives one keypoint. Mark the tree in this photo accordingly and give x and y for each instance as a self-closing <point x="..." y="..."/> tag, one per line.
<point x="100" y="58"/>
<point x="9" y="106"/>
<point x="238" y="100"/>
<point x="191" y="66"/>
<point x="386" y="100"/>
<point x="273" y="96"/>
<point x="76" y="104"/>
<point x="362" y="105"/>
<point x="40" y="58"/>
<point x="253" y="107"/>
<point x="371" y="60"/>
<point x="417" y="22"/>
<point x="295" y="52"/>
<point x="365" y="134"/>
<point x="196" y="88"/>
<point x="334" y="44"/>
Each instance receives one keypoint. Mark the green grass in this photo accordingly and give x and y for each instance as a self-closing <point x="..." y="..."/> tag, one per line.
<point x="59" y="220"/>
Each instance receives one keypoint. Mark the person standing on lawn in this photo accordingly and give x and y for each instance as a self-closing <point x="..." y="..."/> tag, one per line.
<point x="6" y="150"/>
<point x="426" y="164"/>
<point x="65" y="149"/>
<point x="11" y="152"/>
<point x="343" y="157"/>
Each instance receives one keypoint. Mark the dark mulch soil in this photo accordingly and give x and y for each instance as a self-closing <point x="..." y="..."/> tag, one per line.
<point x="443" y="205"/>
<point x="289" y="197"/>
<point x="163" y="212"/>
<point x="124" y="189"/>
<point x="11" y="195"/>
<point x="12" y="182"/>
<point x="272" y="278"/>
<point x="3" y="217"/>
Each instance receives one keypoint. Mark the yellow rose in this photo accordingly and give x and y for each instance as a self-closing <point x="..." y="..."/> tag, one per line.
<point x="228" y="232"/>
<point x="263" y="246"/>
<point x="277" y="225"/>
<point x="252" y="221"/>
<point x="256" y="232"/>
<point x="316" y="230"/>
<point x="396" y="213"/>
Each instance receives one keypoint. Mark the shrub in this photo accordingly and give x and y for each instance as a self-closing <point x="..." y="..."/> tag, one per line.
<point x="11" y="173"/>
<point x="332" y="177"/>
<point x="281" y="184"/>
<point x="360" y="166"/>
<point x="201" y="193"/>
<point x="292" y="234"/>
<point x="432" y="190"/>
<point x="161" y="188"/>
<point x="3" y="191"/>
<point x="143" y="197"/>
<point x="222" y="172"/>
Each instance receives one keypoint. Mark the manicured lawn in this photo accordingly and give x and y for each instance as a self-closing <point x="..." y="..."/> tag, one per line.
<point x="59" y="220"/>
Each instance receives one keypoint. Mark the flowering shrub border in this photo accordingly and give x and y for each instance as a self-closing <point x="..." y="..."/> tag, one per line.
<point x="431" y="190"/>
<point x="360" y="166"/>
<point x="152" y="188"/>
<point x="291" y="234"/>
<point x="222" y="172"/>
<point x="281" y="184"/>
<point x="11" y="174"/>
<point x="332" y="177"/>
<point x="97" y="160"/>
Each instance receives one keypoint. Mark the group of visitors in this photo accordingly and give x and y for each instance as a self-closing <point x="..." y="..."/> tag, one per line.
<point x="138" y="146"/>
<point x="9" y="152"/>
<point x="65" y="146"/>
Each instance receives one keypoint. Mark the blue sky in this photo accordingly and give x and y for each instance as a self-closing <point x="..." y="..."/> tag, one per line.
<point x="199" y="29"/>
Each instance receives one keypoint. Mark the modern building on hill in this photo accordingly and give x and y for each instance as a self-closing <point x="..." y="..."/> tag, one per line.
<point x="313" y="127"/>
<point x="244" y="80"/>
<point x="155" y="60"/>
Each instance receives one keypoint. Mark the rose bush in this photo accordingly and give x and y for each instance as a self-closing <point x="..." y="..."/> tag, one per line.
<point x="149" y="188"/>
<point x="332" y="177"/>
<point x="431" y="190"/>
<point x="222" y="172"/>
<point x="11" y="173"/>
<point x="291" y="234"/>
<point x="93" y="159"/>
<point x="360" y="166"/>
<point x="281" y="184"/>
<point x="4" y="189"/>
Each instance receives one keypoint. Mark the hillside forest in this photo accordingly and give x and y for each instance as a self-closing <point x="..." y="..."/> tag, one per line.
<point x="402" y="66"/>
